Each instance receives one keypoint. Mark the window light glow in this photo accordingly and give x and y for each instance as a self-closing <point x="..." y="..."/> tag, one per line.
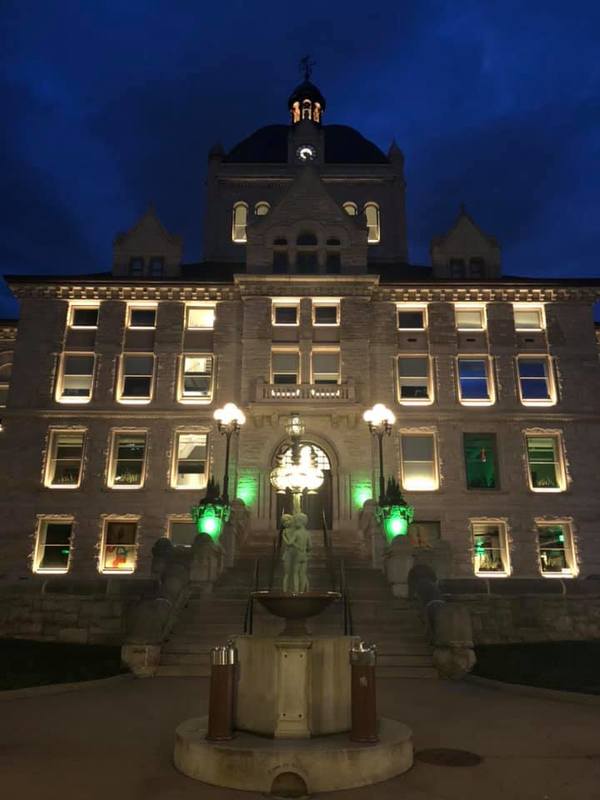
<point x="470" y="317"/>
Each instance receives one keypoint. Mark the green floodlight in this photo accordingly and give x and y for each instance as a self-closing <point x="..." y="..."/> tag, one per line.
<point x="209" y="518"/>
<point x="395" y="520"/>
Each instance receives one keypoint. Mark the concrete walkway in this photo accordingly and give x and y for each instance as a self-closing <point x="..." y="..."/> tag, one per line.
<point x="115" y="743"/>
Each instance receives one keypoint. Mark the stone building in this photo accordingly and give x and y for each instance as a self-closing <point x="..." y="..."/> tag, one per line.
<point x="304" y="303"/>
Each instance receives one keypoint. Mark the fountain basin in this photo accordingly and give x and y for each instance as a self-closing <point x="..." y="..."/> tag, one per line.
<point x="295" y="608"/>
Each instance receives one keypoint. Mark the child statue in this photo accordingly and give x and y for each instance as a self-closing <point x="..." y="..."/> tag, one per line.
<point x="296" y="549"/>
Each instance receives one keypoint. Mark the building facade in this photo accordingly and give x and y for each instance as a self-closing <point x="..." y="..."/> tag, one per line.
<point x="304" y="303"/>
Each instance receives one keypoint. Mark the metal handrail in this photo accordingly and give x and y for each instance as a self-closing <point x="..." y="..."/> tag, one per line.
<point x="249" y="613"/>
<point x="328" y="552"/>
<point x="348" y="623"/>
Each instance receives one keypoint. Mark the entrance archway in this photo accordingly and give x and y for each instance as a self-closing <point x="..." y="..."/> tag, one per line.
<point x="313" y="505"/>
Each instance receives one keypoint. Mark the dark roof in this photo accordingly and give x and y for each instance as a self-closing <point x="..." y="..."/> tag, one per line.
<point x="269" y="145"/>
<point x="306" y="91"/>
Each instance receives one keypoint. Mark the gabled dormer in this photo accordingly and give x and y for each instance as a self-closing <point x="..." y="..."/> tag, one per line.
<point x="147" y="250"/>
<point x="465" y="252"/>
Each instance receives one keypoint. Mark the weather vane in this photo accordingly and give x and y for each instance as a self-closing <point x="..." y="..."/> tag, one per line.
<point x="306" y="65"/>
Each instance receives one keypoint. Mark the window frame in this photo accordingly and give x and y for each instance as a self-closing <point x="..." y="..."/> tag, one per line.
<point x="503" y="546"/>
<point x="481" y="308"/>
<point x="135" y="400"/>
<point x="200" y="307"/>
<point x="178" y="519"/>
<point x="376" y="238"/>
<point x="73" y="400"/>
<point x="326" y="351"/>
<point x="236" y="236"/>
<point x="415" y="401"/>
<point x="261" y="204"/>
<point x="195" y="399"/>
<point x="82" y="306"/>
<point x="141" y="307"/>
<point x="491" y="384"/>
<point x="350" y="208"/>
<point x="51" y="459"/>
<point x="291" y="303"/>
<point x="435" y="461"/>
<point x="559" y="462"/>
<point x="411" y="308"/>
<point x="548" y="361"/>
<point x="298" y="373"/>
<point x="5" y="380"/>
<point x="539" y="308"/>
<point x="323" y="303"/>
<point x="115" y="434"/>
<point x="43" y="521"/>
<point x="125" y="519"/>
<point x="498" y="484"/>
<point x="175" y="459"/>
<point x="572" y="568"/>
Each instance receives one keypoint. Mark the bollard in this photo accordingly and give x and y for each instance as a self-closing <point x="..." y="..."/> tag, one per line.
<point x="221" y="700"/>
<point x="363" y="703"/>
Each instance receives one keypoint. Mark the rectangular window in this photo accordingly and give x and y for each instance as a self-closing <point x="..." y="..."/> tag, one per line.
<point x="544" y="458"/>
<point x="137" y="378"/>
<point x="76" y="377"/>
<point x="84" y="317"/>
<point x="414" y="380"/>
<point x="141" y="318"/>
<point x="182" y="532"/>
<point x="419" y="468"/>
<point x="474" y="381"/>
<point x="481" y="460"/>
<point x="200" y="318"/>
<point x="65" y="455"/>
<point x="128" y="459"/>
<point x="326" y="366"/>
<point x="555" y="542"/>
<point x="285" y="313"/>
<point x="326" y="314"/>
<point x="136" y="266"/>
<point x="490" y="548"/>
<point x="470" y="317"/>
<point x="536" y="387"/>
<point x="53" y="550"/>
<point x="412" y="318"/>
<point x="196" y="378"/>
<point x="285" y="366"/>
<point x="529" y="317"/>
<point x="190" y="470"/>
<point x="157" y="267"/>
<point x="119" y="553"/>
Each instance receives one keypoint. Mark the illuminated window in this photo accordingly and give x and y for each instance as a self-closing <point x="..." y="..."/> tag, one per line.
<point x="119" y="551"/>
<point x="140" y="317"/>
<point x="412" y="318"/>
<point x="555" y="543"/>
<point x="53" y="546"/>
<point x="351" y="209"/>
<point x="136" y="266"/>
<point x="529" y="317"/>
<point x="296" y="112"/>
<point x="190" y="467"/>
<point x="200" y="318"/>
<point x="490" y="548"/>
<point x="326" y="366"/>
<point x="285" y="313"/>
<point x="474" y="381"/>
<point x="65" y="456"/>
<point x="83" y="317"/>
<point x="157" y="267"/>
<point x="536" y="387"/>
<point x="285" y="366"/>
<point x="75" y="378"/>
<point x="414" y="380"/>
<point x="137" y="378"/>
<point x="239" y="222"/>
<point x="196" y="378"/>
<point x="5" y="373"/>
<point x="470" y="317"/>
<point x="326" y="314"/>
<point x="182" y="532"/>
<point x="481" y="460"/>
<point x="419" y="468"/>
<point x="262" y="208"/>
<point x="373" y="223"/>
<point x="545" y="462"/>
<point x="128" y="460"/>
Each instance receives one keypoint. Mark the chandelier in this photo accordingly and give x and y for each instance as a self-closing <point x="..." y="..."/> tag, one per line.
<point x="297" y="475"/>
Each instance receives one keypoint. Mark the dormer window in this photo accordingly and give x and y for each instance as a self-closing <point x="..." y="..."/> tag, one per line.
<point x="457" y="269"/>
<point x="262" y="208"/>
<point x="136" y="266"/>
<point x="157" y="267"/>
<point x="373" y="223"/>
<point x="476" y="266"/>
<point x="350" y="208"/>
<point x="239" y="222"/>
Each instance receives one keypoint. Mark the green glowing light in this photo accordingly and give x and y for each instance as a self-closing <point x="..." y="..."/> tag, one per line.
<point x="361" y="492"/>
<point x="210" y="521"/>
<point x="395" y="526"/>
<point x="247" y="488"/>
<point x="395" y="520"/>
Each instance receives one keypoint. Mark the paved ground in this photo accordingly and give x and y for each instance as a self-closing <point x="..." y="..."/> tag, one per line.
<point x="115" y="743"/>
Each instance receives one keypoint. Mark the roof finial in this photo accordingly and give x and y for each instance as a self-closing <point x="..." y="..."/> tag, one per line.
<point x="306" y="66"/>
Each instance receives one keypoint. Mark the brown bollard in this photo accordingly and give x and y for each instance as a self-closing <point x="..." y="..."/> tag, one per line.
<point x="363" y="704"/>
<point x="222" y="684"/>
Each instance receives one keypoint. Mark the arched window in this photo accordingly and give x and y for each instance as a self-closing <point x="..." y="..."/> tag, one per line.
<point x="306" y="109"/>
<point x="317" y="112"/>
<point x="307" y="260"/>
<point x="262" y="208"/>
<point x="350" y="208"/>
<point x="296" y="112"/>
<point x="281" y="261"/>
<point x="5" y="371"/>
<point x="239" y="221"/>
<point x="373" y="223"/>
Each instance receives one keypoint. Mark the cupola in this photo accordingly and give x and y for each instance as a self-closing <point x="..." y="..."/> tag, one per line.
<point x="306" y="101"/>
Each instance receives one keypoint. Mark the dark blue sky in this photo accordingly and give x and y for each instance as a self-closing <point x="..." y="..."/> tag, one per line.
<point x="110" y="104"/>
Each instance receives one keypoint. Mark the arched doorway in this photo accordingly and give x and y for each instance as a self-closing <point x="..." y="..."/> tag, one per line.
<point x="313" y="505"/>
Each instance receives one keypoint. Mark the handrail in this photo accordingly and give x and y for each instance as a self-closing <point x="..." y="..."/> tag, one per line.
<point x="328" y="551"/>
<point x="275" y="557"/>
<point x="348" y="623"/>
<point x="249" y="613"/>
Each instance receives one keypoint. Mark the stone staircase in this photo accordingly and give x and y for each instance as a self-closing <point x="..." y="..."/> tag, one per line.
<point x="393" y="624"/>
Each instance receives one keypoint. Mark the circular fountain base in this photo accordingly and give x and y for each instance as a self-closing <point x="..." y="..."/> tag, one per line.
<point x="322" y="764"/>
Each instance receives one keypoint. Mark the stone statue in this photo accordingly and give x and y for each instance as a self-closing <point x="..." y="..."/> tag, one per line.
<point x="296" y="549"/>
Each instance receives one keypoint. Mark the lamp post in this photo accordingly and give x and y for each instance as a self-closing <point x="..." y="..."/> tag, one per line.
<point x="229" y="421"/>
<point x="380" y="420"/>
<point x="300" y="472"/>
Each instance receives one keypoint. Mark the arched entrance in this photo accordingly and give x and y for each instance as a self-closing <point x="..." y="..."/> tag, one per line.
<point x="313" y="505"/>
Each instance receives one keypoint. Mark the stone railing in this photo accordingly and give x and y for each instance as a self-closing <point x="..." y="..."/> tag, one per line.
<point x="316" y="392"/>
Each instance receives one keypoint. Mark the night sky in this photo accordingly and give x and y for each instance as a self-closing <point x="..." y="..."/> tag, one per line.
<point x="109" y="105"/>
